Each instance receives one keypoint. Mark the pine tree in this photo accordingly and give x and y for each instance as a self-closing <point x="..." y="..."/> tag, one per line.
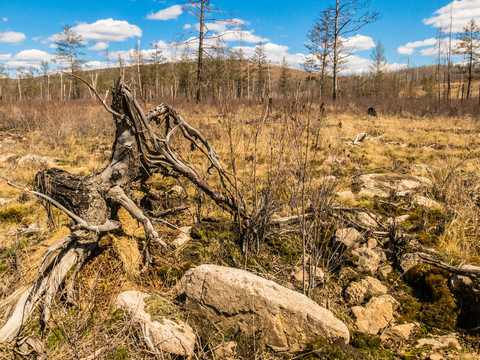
<point x="469" y="47"/>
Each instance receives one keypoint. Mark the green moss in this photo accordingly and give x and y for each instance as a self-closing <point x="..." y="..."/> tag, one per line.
<point x="14" y="214"/>
<point x="431" y="302"/>
<point x="172" y="274"/>
<point x="3" y="268"/>
<point x="120" y="353"/>
<point x="159" y="309"/>
<point x="369" y="345"/>
<point x="54" y="339"/>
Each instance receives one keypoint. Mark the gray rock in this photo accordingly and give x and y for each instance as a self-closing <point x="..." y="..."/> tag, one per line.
<point x="398" y="219"/>
<point x="408" y="261"/>
<point x="237" y="300"/>
<point x="440" y="342"/>
<point x="183" y="237"/>
<point x="367" y="219"/>
<point x="399" y="333"/>
<point x="356" y="291"/>
<point x="426" y="202"/>
<point x="372" y="243"/>
<point x="348" y="237"/>
<point x="368" y="259"/>
<point x="385" y="269"/>
<point x="347" y="195"/>
<point x="376" y="315"/>
<point x="320" y="274"/>
<point x="174" y="337"/>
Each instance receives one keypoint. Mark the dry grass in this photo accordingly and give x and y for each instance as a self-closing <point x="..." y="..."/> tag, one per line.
<point x="265" y="153"/>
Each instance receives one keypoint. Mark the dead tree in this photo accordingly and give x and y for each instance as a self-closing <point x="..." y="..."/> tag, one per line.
<point x="93" y="201"/>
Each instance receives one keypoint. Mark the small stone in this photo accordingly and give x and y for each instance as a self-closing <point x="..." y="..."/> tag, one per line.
<point x="458" y="282"/>
<point x="368" y="259"/>
<point x="399" y="333"/>
<point x="347" y="195"/>
<point x="408" y="261"/>
<point x="367" y="219"/>
<point x="348" y="236"/>
<point x="183" y="237"/>
<point x="356" y="291"/>
<point x="441" y="342"/>
<point x="372" y="243"/>
<point x="398" y="220"/>
<point x="320" y="274"/>
<point x="376" y="315"/>
<point x="385" y="269"/>
<point x="436" y="357"/>
<point x="176" y="190"/>
<point x="226" y="350"/>
<point x="426" y="202"/>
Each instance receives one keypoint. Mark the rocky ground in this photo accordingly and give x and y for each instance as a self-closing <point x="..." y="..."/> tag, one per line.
<point x="391" y="274"/>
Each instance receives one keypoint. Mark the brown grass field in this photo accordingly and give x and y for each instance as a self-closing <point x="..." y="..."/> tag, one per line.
<point x="284" y="156"/>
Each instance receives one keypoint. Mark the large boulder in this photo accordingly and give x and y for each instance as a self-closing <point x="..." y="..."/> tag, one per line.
<point x="239" y="301"/>
<point x="161" y="333"/>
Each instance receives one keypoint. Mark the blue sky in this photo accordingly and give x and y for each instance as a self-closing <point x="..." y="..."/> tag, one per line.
<point x="407" y="28"/>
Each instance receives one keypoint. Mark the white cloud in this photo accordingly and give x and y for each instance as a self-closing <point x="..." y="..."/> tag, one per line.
<point x="357" y="43"/>
<point x="12" y="37"/>
<point x="29" y="58"/>
<point x="169" y="13"/>
<point x="5" y="56"/>
<point x="105" y="30"/>
<point x="462" y="12"/>
<point x="94" y="65"/>
<point x="102" y="45"/>
<point x="397" y="66"/>
<point x="245" y="36"/>
<point x="187" y="26"/>
<point x="5" y="19"/>
<point x="409" y="48"/>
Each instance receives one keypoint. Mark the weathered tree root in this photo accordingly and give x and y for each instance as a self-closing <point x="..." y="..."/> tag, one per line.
<point x="93" y="201"/>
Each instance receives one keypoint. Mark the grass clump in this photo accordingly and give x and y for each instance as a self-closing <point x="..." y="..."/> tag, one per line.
<point x="159" y="309"/>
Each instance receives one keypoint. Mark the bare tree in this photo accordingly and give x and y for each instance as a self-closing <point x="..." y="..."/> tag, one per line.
<point x="378" y="66"/>
<point x="206" y="13"/>
<point x="348" y="16"/>
<point x="156" y="59"/>
<point x="469" y="46"/>
<point x="69" y="50"/>
<point x="320" y="46"/>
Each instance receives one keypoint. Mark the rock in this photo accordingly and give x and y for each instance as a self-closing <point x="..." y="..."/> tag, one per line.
<point x="372" y="243"/>
<point x="183" y="237"/>
<point x="356" y="291"/>
<point x="376" y="314"/>
<point x="36" y="160"/>
<point x="174" y="337"/>
<point x="436" y="357"/>
<point x="426" y="202"/>
<point x="383" y="184"/>
<point x="422" y="168"/>
<point x="176" y="190"/>
<point x="320" y="274"/>
<point x="348" y="237"/>
<point x="367" y="219"/>
<point x="237" y="300"/>
<point x="398" y="219"/>
<point x="226" y="350"/>
<point x="368" y="259"/>
<point x="441" y="342"/>
<point x="408" y="261"/>
<point x="385" y="269"/>
<point x="347" y="195"/>
<point x="399" y="333"/>
<point x="457" y="282"/>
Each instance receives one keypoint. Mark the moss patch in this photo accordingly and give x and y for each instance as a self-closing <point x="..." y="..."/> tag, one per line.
<point x="159" y="309"/>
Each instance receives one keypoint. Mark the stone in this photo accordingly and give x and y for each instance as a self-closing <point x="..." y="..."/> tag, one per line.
<point x="441" y="342"/>
<point x="383" y="184"/>
<point x="320" y="274"/>
<point x="174" y="337"/>
<point x="238" y="301"/>
<point x="367" y="219"/>
<point x="385" y="269"/>
<point x="426" y="202"/>
<point x="408" y="261"/>
<point x="176" y="190"/>
<point x="376" y="315"/>
<point x="348" y="236"/>
<point x="347" y="195"/>
<point x="398" y="220"/>
<point x="372" y="243"/>
<point x="183" y="237"/>
<point x="36" y="160"/>
<point x="368" y="259"/>
<point x="422" y="168"/>
<point x="398" y="333"/>
<point x="225" y="351"/>
<point x="356" y="291"/>
<point x="457" y="282"/>
<point x="436" y="357"/>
